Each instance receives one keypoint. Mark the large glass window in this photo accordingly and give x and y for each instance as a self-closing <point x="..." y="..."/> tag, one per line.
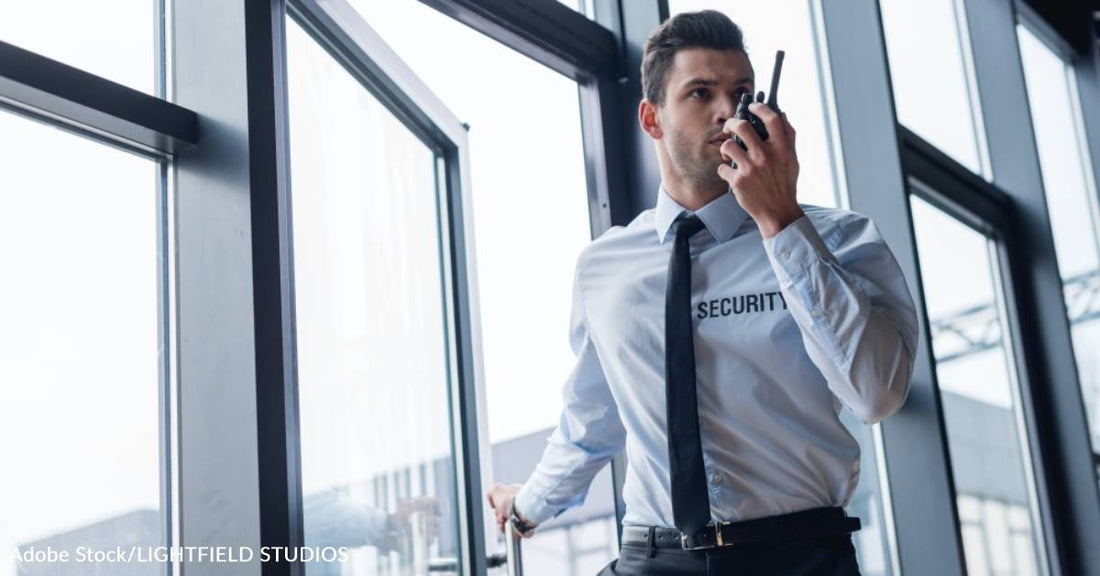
<point x="81" y="413"/>
<point x="115" y="40"/>
<point x="934" y="93"/>
<point x="378" y="468"/>
<point x="787" y="26"/>
<point x="977" y="377"/>
<point x="530" y="220"/>
<point x="1072" y="203"/>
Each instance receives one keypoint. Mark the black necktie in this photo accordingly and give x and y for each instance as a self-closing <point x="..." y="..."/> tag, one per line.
<point x="690" y="503"/>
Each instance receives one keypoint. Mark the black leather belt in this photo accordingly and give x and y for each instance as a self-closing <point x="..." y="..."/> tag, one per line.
<point x="815" y="523"/>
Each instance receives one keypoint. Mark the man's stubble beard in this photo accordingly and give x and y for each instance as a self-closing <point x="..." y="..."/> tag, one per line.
<point x="698" y="169"/>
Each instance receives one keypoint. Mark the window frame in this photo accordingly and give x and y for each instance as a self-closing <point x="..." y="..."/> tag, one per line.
<point x="960" y="194"/>
<point x="1082" y="85"/>
<point x="918" y="468"/>
<point x="1069" y="478"/>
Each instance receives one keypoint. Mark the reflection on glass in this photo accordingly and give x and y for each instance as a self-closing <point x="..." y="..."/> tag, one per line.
<point x="377" y="461"/>
<point x="79" y="323"/>
<point x="771" y="26"/>
<point x="976" y="375"/>
<point x="115" y="41"/>
<point x="927" y="69"/>
<point x="1071" y="201"/>
<point x="531" y="221"/>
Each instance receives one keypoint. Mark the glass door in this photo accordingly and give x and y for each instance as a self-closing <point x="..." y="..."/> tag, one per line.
<point x="388" y="405"/>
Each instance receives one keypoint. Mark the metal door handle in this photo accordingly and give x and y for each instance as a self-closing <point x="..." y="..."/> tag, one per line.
<point x="514" y="551"/>
<point x="512" y="557"/>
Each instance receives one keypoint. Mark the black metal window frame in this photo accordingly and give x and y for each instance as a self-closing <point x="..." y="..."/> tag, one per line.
<point x="1085" y="74"/>
<point x="953" y="189"/>
<point x="873" y="147"/>
<point x="1068" y="478"/>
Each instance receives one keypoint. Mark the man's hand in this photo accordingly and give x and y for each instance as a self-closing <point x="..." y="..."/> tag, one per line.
<point x="500" y="499"/>
<point x="766" y="176"/>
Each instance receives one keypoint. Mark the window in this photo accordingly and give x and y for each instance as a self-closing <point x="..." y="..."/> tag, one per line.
<point x="531" y="221"/>
<point x="116" y="41"/>
<point x="787" y="26"/>
<point x="80" y="324"/>
<point x="372" y="338"/>
<point x="976" y="373"/>
<point x="1071" y="201"/>
<point x="934" y="91"/>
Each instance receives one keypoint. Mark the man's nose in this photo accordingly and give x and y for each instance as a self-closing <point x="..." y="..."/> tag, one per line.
<point x="726" y="109"/>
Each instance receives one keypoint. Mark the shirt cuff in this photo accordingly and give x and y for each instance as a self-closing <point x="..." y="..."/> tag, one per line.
<point x="794" y="249"/>
<point x="531" y="507"/>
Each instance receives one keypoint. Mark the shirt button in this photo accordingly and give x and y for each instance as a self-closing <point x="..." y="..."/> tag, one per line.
<point x="716" y="479"/>
<point x="815" y="313"/>
<point x="785" y="255"/>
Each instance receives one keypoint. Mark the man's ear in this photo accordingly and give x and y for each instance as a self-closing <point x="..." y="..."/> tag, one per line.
<point x="650" y="119"/>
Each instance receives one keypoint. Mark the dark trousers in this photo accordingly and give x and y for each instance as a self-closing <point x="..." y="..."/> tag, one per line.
<point x="819" y="557"/>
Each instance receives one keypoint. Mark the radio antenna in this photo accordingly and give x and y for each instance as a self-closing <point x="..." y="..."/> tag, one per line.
<point x="772" y="94"/>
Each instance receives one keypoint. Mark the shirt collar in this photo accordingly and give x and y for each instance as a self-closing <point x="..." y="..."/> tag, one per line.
<point x="722" y="216"/>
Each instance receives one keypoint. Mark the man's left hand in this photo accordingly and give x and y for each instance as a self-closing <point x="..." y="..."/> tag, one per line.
<point x="766" y="177"/>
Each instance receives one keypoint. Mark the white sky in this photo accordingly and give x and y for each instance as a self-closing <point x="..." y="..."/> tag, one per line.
<point x="78" y="245"/>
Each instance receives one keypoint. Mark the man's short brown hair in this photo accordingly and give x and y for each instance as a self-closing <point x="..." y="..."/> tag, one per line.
<point x="703" y="29"/>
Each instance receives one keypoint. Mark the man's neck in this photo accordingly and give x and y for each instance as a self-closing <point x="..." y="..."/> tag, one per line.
<point x="694" y="196"/>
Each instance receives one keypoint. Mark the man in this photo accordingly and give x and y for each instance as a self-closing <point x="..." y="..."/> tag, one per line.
<point x="717" y="338"/>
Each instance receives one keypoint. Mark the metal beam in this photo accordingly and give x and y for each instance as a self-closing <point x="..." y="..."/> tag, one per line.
<point x="977" y="328"/>
<point x="89" y="104"/>
<point x="544" y="30"/>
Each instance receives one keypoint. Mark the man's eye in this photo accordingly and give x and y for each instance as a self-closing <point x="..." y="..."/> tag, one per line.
<point x="699" y="93"/>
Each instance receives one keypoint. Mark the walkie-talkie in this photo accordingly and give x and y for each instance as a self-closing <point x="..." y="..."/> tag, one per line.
<point x="746" y="99"/>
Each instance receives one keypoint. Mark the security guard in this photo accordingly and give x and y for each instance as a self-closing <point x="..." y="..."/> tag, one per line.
<point x="718" y="336"/>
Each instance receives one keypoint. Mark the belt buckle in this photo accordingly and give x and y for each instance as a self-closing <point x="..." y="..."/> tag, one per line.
<point x="718" y="542"/>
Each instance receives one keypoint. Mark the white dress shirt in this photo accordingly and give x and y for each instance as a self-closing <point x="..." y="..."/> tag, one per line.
<point x="788" y="331"/>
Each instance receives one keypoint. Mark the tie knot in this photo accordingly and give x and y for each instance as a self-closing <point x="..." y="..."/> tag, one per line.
<point x="687" y="227"/>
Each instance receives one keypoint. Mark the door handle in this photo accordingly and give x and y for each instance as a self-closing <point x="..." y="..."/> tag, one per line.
<point x="512" y="557"/>
<point x="514" y="551"/>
